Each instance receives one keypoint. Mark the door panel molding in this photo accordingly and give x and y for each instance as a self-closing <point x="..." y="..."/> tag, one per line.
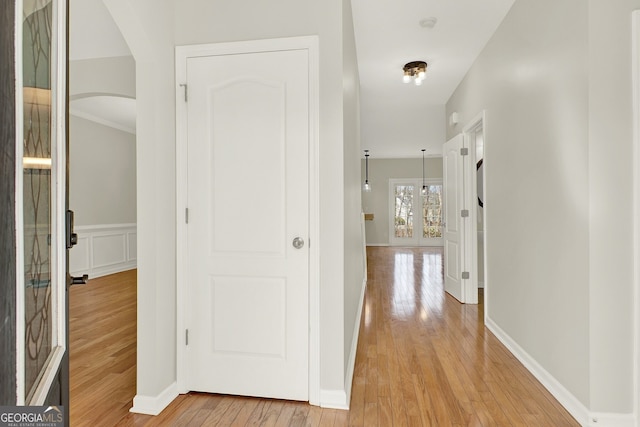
<point x="183" y="53"/>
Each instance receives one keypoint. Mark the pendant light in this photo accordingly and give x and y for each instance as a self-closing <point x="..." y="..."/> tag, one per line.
<point x="424" y="181"/>
<point x="366" y="187"/>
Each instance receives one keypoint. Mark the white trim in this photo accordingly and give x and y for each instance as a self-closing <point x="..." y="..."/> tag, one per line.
<point x="599" y="419"/>
<point x="84" y="257"/>
<point x="101" y="121"/>
<point x="51" y="369"/>
<point x="334" y="399"/>
<point x="19" y="211"/>
<point x="381" y="245"/>
<point x="153" y="405"/>
<point x="564" y="397"/>
<point x="635" y="15"/>
<point x="470" y="200"/>
<point x="351" y="364"/>
<point x="182" y="53"/>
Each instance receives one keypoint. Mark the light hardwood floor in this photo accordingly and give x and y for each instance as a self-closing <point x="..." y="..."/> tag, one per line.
<point x="423" y="359"/>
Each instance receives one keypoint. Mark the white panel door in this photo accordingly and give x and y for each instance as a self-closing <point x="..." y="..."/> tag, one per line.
<point x="453" y="177"/>
<point x="248" y="148"/>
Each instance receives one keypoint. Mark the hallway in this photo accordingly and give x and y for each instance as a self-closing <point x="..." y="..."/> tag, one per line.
<point x="423" y="360"/>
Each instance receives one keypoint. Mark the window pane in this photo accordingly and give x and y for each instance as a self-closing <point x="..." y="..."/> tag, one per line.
<point x="432" y="212"/>
<point x="403" y="221"/>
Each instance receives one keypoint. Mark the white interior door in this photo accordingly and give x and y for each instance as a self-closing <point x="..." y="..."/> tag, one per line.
<point x="453" y="176"/>
<point x="248" y="258"/>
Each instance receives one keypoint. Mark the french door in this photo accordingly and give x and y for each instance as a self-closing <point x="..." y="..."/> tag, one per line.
<point x="416" y="209"/>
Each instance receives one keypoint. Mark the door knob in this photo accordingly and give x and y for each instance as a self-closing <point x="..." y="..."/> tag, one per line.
<point x="298" y="242"/>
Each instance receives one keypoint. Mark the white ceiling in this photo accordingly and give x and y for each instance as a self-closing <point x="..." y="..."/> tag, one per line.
<point x="398" y="119"/>
<point x="92" y="32"/>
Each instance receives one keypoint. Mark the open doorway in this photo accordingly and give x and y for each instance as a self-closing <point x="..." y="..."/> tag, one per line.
<point x="464" y="230"/>
<point x="102" y="192"/>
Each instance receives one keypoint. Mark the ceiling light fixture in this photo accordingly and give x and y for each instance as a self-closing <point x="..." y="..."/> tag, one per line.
<point x="366" y="187"/>
<point x="415" y="70"/>
<point x="424" y="181"/>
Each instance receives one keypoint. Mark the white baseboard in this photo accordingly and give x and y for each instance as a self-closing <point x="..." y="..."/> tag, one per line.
<point x="334" y="399"/>
<point x="566" y="398"/>
<point x="104" y="249"/>
<point x="597" y="419"/>
<point x="378" y="244"/>
<point x="348" y="380"/>
<point x="153" y="405"/>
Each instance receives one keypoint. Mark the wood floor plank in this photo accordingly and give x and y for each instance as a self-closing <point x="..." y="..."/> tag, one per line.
<point x="422" y="359"/>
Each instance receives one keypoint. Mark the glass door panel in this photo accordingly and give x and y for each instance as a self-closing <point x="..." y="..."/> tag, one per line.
<point x="407" y="201"/>
<point x="432" y="212"/>
<point x="42" y="271"/>
<point x="403" y="209"/>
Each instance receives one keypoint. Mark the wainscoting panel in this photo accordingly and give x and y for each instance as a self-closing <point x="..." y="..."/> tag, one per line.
<point x="104" y="249"/>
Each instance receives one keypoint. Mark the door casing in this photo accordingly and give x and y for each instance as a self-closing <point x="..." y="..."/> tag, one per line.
<point x="471" y="201"/>
<point x="310" y="43"/>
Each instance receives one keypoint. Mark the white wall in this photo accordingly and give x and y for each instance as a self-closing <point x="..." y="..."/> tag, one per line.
<point x="610" y="206"/>
<point x="555" y="83"/>
<point x="531" y="79"/>
<point x="152" y="29"/>
<point x="147" y="26"/>
<point x="377" y="201"/>
<point x="353" y="239"/>
<point x="102" y="173"/>
<point x="113" y="76"/>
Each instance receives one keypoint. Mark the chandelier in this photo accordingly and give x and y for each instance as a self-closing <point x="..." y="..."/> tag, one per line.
<point x="415" y="71"/>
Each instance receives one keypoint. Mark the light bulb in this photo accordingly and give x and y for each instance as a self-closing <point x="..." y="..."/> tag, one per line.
<point x="366" y="187"/>
<point x="418" y="81"/>
<point x="406" y="78"/>
<point x="421" y="74"/>
<point x="424" y="190"/>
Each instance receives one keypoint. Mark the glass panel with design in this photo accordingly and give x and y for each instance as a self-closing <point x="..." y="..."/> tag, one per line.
<point x="40" y="336"/>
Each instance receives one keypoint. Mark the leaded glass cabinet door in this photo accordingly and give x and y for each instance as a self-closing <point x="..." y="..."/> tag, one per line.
<point x="42" y="362"/>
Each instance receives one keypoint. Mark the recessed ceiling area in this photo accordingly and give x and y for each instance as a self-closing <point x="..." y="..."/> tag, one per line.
<point x="399" y="119"/>
<point x="114" y="111"/>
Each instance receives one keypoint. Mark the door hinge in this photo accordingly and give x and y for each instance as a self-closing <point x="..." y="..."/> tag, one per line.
<point x="186" y="97"/>
<point x="186" y="215"/>
<point x="464" y="151"/>
<point x="186" y="337"/>
<point x="464" y="213"/>
<point x="465" y="274"/>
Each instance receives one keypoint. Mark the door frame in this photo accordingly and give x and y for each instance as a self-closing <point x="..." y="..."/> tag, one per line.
<point x="470" y="238"/>
<point x="311" y="45"/>
<point x="56" y="360"/>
